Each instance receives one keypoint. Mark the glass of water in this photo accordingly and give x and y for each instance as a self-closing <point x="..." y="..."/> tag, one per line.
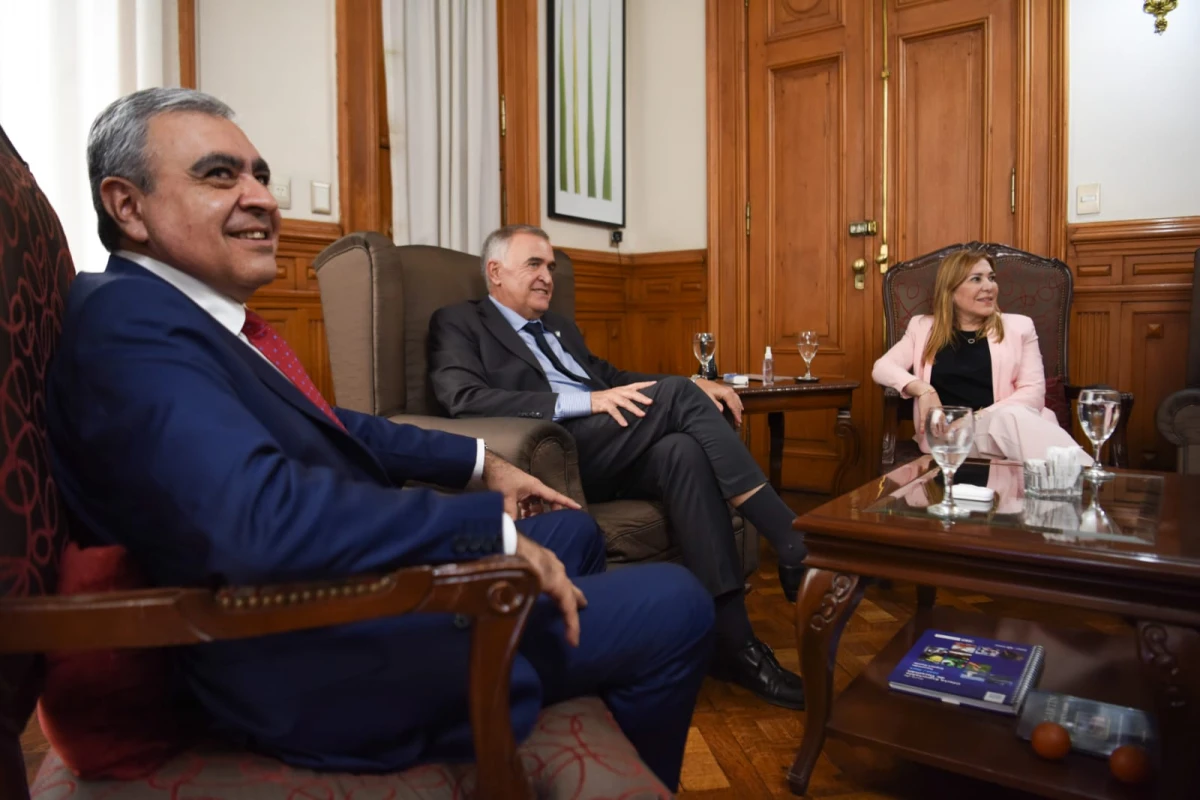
<point x="704" y="346"/>
<point x="1099" y="410"/>
<point x="808" y="351"/>
<point x="950" y="433"/>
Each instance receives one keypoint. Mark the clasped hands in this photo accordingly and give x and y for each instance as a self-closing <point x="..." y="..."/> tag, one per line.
<point x="631" y="399"/>
<point x="526" y="496"/>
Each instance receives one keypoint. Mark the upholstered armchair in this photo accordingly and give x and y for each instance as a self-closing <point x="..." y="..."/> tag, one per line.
<point x="1037" y="287"/>
<point x="1178" y="415"/>
<point x="378" y="299"/>
<point x="575" y="751"/>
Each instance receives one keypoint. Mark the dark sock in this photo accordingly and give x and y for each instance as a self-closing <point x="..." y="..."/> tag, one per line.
<point x="732" y="626"/>
<point x="767" y="512"/>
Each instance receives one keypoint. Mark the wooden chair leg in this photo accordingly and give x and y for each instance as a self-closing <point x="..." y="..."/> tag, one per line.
<point x="926" y="596"/>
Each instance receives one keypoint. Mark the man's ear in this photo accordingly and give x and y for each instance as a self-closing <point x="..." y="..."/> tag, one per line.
<point x="493" y="272"/>
<point x="123" y="201"/>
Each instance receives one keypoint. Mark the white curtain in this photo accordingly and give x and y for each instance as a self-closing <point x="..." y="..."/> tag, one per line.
<point x="444" y="120"/>
<point x="61" y="63"/>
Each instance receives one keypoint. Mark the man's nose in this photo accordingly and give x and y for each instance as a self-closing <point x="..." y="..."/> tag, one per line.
<point x="257" y="195"/>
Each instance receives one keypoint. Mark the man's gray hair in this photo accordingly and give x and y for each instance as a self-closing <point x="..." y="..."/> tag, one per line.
<point x="495" y="246"/>
<point x="116" y="145"/>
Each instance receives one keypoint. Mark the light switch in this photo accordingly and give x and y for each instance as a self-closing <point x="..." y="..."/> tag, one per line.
<point x="321" y="202"/>
<point x="282" y="192"/>
<point x="1087" y="198"/>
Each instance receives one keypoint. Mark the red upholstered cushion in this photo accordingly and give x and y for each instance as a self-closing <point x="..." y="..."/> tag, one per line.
<point x="109" y="713"/>
<point x="576" y="752"/>
<point x="1056" y="401"/>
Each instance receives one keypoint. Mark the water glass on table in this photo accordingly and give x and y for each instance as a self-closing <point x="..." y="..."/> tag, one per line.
<point x="950" y="433"/>
<point x="808" y="344"/>
<point x="1099" y="411"/>
<point x="704" y="346"/>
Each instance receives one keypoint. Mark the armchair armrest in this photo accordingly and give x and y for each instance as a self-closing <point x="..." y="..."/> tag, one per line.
<point x="891" y="425"/>
<point x="498" y="592"/>
<point x="1118" y="449"/>
<point x="1178" y="420"/>
<point x="543" y="449"/>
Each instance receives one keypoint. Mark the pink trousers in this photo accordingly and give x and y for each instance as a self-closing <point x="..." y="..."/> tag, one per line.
<point x="1016" y="433"/>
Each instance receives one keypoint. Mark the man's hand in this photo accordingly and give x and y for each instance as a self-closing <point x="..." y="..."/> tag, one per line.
<point x="524" y="495"/>
<point x="611" y="401"/>
<point x="555" y="583"/>
<point x="723" y="396"/>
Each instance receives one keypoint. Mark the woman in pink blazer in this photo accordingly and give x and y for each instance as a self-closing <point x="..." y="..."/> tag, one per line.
<point x="967" y="353"/>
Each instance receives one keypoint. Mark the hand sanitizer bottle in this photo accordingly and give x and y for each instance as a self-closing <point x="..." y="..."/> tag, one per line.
<point x="768" y="372"/>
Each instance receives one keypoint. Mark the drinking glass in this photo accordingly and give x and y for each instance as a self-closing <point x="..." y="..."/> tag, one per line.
<point x="1099" y="410"/>
<point x="808" y="351"/>
<point x="950" y="432"/>
<point x="704" y="345"/>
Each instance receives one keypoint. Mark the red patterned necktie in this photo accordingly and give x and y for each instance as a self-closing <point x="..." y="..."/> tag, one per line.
<point x="271" y="344"/>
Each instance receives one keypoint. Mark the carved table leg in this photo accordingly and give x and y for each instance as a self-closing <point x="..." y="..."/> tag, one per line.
<point x="1170" y="658"/>
<point x="848" y="444"/>
<point x="826" y="602"/>
<point x="775" y="426"/>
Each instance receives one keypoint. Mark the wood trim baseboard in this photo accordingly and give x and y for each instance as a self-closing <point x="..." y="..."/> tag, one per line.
<point x="187" y="44"/>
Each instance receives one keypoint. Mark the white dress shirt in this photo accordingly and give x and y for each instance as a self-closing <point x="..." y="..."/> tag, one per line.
<point x="231" y="315"/>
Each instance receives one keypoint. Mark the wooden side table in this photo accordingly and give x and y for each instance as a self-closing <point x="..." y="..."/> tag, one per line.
<point x="787" y="395"/>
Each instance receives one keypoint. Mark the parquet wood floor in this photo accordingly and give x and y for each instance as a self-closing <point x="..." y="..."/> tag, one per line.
<point x="739" y="747"/>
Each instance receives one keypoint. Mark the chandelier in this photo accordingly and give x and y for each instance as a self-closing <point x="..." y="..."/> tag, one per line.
<point x="1160" y="9"/>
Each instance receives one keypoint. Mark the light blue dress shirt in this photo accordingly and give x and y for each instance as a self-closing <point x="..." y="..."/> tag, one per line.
<point x="574" y="399"/>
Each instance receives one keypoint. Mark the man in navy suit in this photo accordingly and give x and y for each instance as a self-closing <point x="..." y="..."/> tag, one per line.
<point x="183" y="428"/>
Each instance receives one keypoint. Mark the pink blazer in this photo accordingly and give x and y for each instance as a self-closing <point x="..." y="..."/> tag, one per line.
<point x="1018" y="376"/>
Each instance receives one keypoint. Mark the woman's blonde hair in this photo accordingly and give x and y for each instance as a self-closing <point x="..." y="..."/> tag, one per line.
<point x="953" y="270"/>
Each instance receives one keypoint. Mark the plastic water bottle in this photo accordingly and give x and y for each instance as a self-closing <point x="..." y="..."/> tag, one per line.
<point x="768" y="371"/>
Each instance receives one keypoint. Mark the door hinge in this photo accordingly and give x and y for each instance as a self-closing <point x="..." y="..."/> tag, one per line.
<point x="747" y="219"/>
<point x="1012" y="191"/>
<point x="503" y="117"/>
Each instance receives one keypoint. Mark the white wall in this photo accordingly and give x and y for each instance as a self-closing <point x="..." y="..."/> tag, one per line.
<point x="1134" y="113"/>
<point x="274" y="62"/>
<point x="665" y="178"/>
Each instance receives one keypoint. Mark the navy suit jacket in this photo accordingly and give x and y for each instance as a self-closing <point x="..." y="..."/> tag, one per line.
<point x="171" y="437"/>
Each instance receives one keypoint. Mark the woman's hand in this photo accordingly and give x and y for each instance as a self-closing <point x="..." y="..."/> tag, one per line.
<point x="926" y="401"/>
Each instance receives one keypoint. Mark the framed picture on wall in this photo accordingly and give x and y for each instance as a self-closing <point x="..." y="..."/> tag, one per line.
<point x="585" y="106"/>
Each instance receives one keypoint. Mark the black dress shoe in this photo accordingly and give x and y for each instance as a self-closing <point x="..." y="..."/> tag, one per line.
<point x="754" y="667"/>
<point x="790" y="579"/>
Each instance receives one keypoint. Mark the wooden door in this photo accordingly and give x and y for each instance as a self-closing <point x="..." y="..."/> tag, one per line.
<point x="810" y="159"/>
<point x="953" y="123"/>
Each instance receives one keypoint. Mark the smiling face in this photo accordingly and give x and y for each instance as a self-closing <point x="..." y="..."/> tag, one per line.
<point x="209" y="212"/>
<point x="523" y="279"/>
<point x="975" y="297"/>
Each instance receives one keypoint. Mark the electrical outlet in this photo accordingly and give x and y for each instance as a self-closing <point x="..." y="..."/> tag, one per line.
<point x="282" y="193"/>
<point x="616" y="237"/>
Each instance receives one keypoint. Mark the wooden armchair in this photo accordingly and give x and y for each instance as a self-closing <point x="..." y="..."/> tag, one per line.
<point x="592" y="758"/>
<point x="1040" y="288"/>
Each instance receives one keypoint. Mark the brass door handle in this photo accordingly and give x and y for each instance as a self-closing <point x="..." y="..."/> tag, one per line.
<point x="860" y="267"/>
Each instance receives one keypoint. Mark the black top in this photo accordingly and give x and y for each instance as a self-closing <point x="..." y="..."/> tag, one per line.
<point x="962" y="372"/>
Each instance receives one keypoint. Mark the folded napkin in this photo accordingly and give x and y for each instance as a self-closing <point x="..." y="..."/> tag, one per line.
<point x="972" y="493"/>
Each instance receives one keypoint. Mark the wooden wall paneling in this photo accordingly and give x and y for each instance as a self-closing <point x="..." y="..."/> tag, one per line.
<point x="519" y="45"/>
<point x="187" y="43"/>
<point x="1153" y="365"/>
<point x="645" y="305"/>
<point x="362" y="123"/>
<point x="1129" y="320"/>
<point x="726" y="123"/>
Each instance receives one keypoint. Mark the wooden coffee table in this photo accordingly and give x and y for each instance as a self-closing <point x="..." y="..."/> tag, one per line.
<point x="1145" y="569"/>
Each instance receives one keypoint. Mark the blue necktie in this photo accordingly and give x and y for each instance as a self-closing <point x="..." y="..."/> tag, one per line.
<point x="539" y="336"/>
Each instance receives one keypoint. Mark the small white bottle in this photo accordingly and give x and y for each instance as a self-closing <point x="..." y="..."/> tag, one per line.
<point x="768" y="371"/>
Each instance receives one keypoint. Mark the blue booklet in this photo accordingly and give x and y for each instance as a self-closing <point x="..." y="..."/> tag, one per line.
<point x="969" y="670"/>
